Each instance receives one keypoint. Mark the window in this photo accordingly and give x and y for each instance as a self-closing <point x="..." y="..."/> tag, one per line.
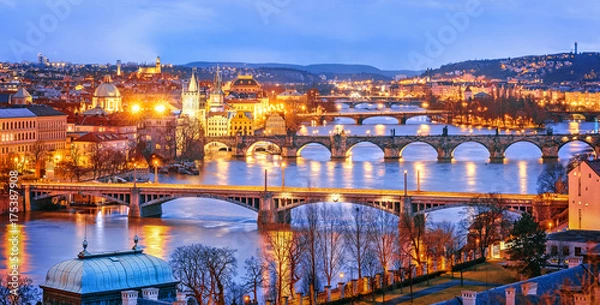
<point x="577" y="251"/>
<point x="553" y="250"/>
<point x="566" y="251"/>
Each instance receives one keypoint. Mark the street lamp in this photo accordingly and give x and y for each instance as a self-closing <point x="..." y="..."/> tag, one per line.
<point x="418" y="179"/>
<point x="282" y="176"/>
<point x="155" y="171"/>
<point x="405" y="183"/>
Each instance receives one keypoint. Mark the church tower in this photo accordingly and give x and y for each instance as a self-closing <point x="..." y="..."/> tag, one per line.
<point x="217" y="96"/>
<point x="158" y="66"/>
<point x="191" y="105"/>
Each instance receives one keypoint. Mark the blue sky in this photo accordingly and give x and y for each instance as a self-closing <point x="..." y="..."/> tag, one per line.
<point x="389" y="34"/>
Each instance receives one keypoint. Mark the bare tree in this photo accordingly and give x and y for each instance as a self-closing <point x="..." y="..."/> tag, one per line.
<point x="24" y="292"/>
<point x="553" y="179"/>
<point x="412" y="235"/>
<point x="486" y="222"/>
<point x="36" y="155"/>
<point x="330" y="242"/>
<point x="283" y="252"/>
<point x="187" y="136"/>
<point x="205" y="271"/>
<point x="311" y="235"/>
<point x="255" y="268"/>
<point x="441" y="241"/>
<point x="356" y="237"/>
<point x="384" y="235"/>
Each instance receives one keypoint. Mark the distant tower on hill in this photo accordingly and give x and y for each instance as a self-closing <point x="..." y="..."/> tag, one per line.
<point x="119" y="68"/>
<point x="575" y="47"/>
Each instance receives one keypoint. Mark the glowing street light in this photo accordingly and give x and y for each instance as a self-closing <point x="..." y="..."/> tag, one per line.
<point x="160" y="108"/>
<point x="135" y="108"/>
<point x="155" y="171"/>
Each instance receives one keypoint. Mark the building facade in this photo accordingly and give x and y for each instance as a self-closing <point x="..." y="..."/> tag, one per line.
<point x="241" y="124"/>
<point x="584" y="196"/>
<point x="275" y="125"/>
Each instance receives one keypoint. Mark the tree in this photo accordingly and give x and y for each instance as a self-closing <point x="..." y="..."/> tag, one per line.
<point x="384" y="235"/>
<point x="330" y="243"/>
<point x="187" y="136"/>
<point x="283" y="253"/>
<point x="36" y="156"/>
<point x="23" y="293"/>
<point x="254" y="277"/>
<point x="412" y="235"/>
<point x="310" y="234"/>
<point x="527" y="246"/>
<point x="553" y="179"/>
<point x="486" y="222"/>
<point x="204" y="271"/>
<point x="356" y="237"/>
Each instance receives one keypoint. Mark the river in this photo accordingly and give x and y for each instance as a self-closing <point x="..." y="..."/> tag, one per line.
<point x="50" y="237"/>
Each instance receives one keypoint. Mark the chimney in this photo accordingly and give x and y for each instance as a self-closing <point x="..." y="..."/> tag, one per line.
<point x="510" y="295"/>
<point x="180" y="298"/>
<point x="574" y="261"/>
<point x="129" y="297"/>
<point x="150" y="294"/>
<point x="529" y="288"/>
<point x="469" y="297"/>
<point x="581" y="299"/>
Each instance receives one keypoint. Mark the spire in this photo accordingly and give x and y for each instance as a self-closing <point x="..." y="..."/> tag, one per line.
<point x="84" y="252"/>
<point x="135" y="243"/>
<point x="193" y="85"/>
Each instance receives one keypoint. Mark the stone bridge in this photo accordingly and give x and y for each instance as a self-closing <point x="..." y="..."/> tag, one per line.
<point x="359" y="117"/>
<point x="340" y="145"/>
<point x="273" y="204"/>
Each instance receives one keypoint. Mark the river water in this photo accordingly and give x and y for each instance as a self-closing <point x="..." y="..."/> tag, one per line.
<point x="50" y="237"/>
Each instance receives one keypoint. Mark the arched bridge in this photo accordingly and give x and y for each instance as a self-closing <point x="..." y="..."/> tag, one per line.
<point x="359" y="117"/>
<point x="339" y="145"/>
<point x="273" y="204"/>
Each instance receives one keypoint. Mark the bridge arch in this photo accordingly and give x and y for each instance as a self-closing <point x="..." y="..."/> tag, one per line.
<point x="470" y="142"/>
<point x="389" y="206"/>
<point x="216" y="146"/>
<point x="252" y="204"/>
<point x="429" y="208"/>
<point x="264" y="146"/>
<point x="570" y="141"/>
<point x="365" y="143"/>
<point x="515" y="145"/>
<point x="119" y="198"/>
<point x="313" y="144"/>
<point x="416" y="144"/>
<point x="390" y="120"/>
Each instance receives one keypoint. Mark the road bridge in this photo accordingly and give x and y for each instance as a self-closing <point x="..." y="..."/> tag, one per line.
<point x="273" y="204"/>
<point x="359" y="117"/>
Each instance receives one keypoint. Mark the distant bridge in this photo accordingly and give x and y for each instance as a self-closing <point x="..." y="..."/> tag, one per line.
<point x="386" y="101"/>
<point x="340" y="145"/>
<point x="273" y="204"/>
<point x="359" y="117"/>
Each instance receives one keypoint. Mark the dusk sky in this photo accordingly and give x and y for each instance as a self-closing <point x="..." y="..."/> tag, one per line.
<point x="385" y="33"/>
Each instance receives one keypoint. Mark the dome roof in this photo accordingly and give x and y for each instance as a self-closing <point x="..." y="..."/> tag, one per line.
<point x="110" y="271"/>
<point x="245" y="82"/>
<point x="107" y="90"/>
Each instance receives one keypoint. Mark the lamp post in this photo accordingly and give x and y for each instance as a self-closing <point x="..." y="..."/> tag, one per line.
<point x="418" y="179"/>
<point x="282" y="176"/>
<point x="155" y="171"/>
<point x="405" y="183"/>
<point x="134" y="174"/>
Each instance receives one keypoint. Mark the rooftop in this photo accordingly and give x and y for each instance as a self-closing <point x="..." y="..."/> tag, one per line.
<point x="576" y="236"/>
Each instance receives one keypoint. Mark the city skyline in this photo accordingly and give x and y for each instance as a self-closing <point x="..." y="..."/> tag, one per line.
<point x="409" y="35"/>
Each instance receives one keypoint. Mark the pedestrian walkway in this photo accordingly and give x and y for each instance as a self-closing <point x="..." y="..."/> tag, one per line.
<point x="434" y="289"/>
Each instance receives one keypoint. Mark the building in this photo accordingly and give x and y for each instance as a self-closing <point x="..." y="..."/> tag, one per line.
<point x="150" y="71"/>
<point x="89" y="145"/>
<point x="157" y="135"/>
<point x="22" y="97"/>
<point x="107" y="97"/>
<point x="245" y="86"/>
<point x="191" y="104"/>
<point x="562" y="246"/>
<point x="216" y="99"/>
<point x="30" y="135"/>
<point x="241" y="124"/>
<point x="584" y="196"/>
<point x="118" y="277"/>
<point x="217" y="124"/>
<point x="275" y="125"/>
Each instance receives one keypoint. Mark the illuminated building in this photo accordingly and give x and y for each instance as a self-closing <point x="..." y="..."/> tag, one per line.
<point x="275" y="125"/>
<point x="584" y="196"/>
<point x="190" y="99"/>
<point x="245" y="86"/>
<point x="117" y="277"/>
<point x="22" y="97"/>
<point x="107" y="97"/>
<point x="29" y="130"/>
<point x="241" y="124"/>
<point x="217" y="124"/>
<point x="216" y="98"/>
<point x="88" y="145"/>
<point x="150" y="71"/>
<point x="157" y="134"/>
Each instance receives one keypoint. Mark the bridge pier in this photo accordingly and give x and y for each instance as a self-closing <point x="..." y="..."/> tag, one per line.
<point x="391" y="154"/>
<point x="549" y="153"/>
<point x="497" y="159"/>
<point x="134" y="204"/>
<point x="289" y="152"/>
<point x="359" y="121"/>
